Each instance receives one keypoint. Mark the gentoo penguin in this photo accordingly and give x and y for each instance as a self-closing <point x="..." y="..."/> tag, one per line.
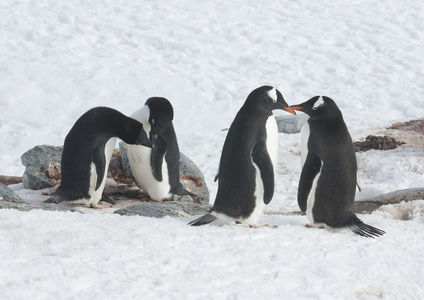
<point x="329" y="170"/>
<point x="248" y="160"/>
<point x="156" y="169"/>
<point x="87" y="151"/>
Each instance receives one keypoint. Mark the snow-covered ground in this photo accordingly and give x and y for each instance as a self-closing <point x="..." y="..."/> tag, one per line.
<point x="60" y="58"/>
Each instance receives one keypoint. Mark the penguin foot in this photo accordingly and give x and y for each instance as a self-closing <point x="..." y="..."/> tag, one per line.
<point x="262" y="226"/>
<point x="312" y="226"/>
<point x="99" y="206"/>
<point x="108" y="199"/>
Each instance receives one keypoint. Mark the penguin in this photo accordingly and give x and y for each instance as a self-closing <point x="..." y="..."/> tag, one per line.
<point x="87" y="152"/>
<point x="156" y="169"/>
<point x="248" y="161"/>
<point x="329" y="170"/>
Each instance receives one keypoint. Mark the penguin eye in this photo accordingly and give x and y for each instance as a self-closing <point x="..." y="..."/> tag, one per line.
<point x="153" y="121"/>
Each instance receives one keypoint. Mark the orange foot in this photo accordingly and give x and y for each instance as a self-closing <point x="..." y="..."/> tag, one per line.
<point x="309" y="226"/>
<point x="262" y="226"/>
<point x="99" y="206"/>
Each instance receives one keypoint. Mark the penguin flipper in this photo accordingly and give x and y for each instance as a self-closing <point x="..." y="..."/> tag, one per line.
<point x="203" y="220"/>
<point x="262" y="159"/>
<point x="156" y="158"/>
<point x="99" y="160"/>
<point x="310" y="170"/>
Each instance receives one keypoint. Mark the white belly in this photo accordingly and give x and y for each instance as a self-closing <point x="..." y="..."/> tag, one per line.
<point x="96" y="195"/>
<point x="272" y="140"/>
<point x="259" y="199"/>
<point x="304" y="145"/>
<point x="272" y="147"/>
<point x="311" y="197"/>
<point x="139" y="159"/>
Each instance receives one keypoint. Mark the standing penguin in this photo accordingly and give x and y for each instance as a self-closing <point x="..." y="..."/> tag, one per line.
<point x="248" y="160"/>
<point x="87" y="151"/>
<point x="156" y="169"/>
<point x="329" y="170"/>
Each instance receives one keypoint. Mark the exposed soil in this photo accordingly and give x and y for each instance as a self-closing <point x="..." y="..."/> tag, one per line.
<point x="413" y="125"/>
<point x="377" y="142"/>
<point x="8" y="180"/>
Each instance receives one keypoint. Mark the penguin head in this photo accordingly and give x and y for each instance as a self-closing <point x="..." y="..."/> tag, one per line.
<point x="160" y="114"/>
<point x="319" y="107"/>
<point x="267" y="98"/>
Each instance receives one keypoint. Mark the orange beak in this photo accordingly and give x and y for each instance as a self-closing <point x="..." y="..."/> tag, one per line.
<point x="296" y="107"/>
<point x="290" y="110"/>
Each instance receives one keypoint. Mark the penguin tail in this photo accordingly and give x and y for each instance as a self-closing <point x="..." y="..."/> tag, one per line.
<point x="203" y="220"/>
<point x="365" y="230"/>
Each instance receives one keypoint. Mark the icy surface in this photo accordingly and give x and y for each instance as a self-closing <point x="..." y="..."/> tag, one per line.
<point x="60" y="58"/>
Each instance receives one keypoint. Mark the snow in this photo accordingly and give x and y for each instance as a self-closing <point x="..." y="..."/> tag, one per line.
<point x="59" y="59"/>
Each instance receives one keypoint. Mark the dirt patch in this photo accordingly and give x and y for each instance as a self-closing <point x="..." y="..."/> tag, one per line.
<point x="377" y="143"/>
<point x="413" y="125"/>
<point x="8" y="180"/>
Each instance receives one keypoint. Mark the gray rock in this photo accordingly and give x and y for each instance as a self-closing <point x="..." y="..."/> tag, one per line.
<point x="367" y="206"/>
<point x="9" y="200"/>
<point x="7" y="193"/>
<point x="291" y="124"/>
<point x="42" y="167"/>
<point x="193" y="180"/>
<point x="167" y="208"/>
<point x="125" y="162"/>
<point x="190" y="176"/>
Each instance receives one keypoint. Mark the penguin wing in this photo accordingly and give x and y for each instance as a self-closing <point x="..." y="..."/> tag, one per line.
<point x="310" y="170"/>
<point x="262" y="159"/>
<point x="156" y="158"/>
<point x="99" y="160"/>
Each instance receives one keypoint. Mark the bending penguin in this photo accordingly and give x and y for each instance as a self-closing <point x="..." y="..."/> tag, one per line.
<point x="87" y="151"/>
<point x="156" y="169"/>
<point x="248" y="160"/>
<point x="329" y="170"/>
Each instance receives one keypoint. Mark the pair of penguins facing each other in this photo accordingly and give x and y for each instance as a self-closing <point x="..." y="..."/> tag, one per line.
<point x="151" y="146"/>
<point x="246" y="172"/>
<point x="246" y="169"/>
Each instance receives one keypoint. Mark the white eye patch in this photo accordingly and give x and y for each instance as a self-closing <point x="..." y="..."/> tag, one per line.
<point x="318" y="103"/>
<point x="273" y="95"/>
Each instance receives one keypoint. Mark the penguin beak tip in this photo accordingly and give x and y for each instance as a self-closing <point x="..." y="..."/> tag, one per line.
<point x="290" y="110"/>
<point x="296" y="107"/>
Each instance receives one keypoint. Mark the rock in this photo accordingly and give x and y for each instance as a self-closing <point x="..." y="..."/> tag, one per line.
<point x="43" y="170"/>
<point x="190" y="176"/>
<point x="42" y="167"/>
<point x="7" y="193"/>
<point x="291" y="124"/>
<point x="9" y="199"/>
<point x="23" y="205"/>
<point x="367" y="206"/>
<point x="162" y="209"/>
<point x="193" y="180"/>
<point x="125" y="162"/>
